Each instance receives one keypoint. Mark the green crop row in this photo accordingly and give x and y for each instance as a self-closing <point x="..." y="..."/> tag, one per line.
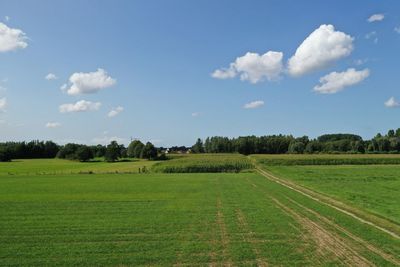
<point x="326" y="160"/>
<point x="204" y="163"/>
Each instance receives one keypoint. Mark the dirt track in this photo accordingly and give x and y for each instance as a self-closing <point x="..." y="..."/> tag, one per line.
<point x="325" y="200"/>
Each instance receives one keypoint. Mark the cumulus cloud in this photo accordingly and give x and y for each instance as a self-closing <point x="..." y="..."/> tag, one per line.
<point x="51" y="76"/>
<point x="115" y="111"/>
<point x="3" y="104"/>
<point x="320" y="49"/>
<point x="254" y="104"/>
<point x="337" y="81"/>
<point x="225" y="73"/>
<point x="11" y="39"/>
<point x="253" y="67"/>
<point x="80" y="106"/>
<point x="53" y="125"/>
<point x="88" y="83"/>
<point x="392" y="103"/>
<point x="376" y="17"/>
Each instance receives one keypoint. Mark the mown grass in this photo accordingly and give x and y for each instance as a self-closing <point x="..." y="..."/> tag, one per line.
<point x="163" y="219"/>
<point x="61" y="166"/>
<point x="203" y="163"/>
<point x="374" y="188"/>
<point x="327" y="159"/>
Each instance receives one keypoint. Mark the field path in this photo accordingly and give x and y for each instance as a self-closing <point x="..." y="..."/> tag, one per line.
<point x="223" y="234"/>
<point x="339" y="206"/>
<point x="367" y="245"/>
<point x="328" y="243"/>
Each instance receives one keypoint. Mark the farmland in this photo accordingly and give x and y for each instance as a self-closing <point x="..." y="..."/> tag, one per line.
<point x="205" y="163"/>
<point x="117" y="216"/>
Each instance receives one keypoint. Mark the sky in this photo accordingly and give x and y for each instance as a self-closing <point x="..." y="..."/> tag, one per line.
<point x="172" y="71"/>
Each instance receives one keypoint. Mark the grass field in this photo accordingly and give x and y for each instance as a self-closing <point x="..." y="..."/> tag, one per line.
<point x="185" y="219"/>
<point x="61" y="166"/>
<point x="375" y="188"/>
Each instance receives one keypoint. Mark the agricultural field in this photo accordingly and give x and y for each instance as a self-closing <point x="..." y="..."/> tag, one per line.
<point x="243" y="217"/>
<point x="326" y="159"/>
<point x="198" y="163"/>
<point x="374" y="188"/>
<point x="61" y="166"/>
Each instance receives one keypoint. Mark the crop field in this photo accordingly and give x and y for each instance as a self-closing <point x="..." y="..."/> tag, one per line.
<point x="248" y="218"/>
<point x="327" y="159"/>
<point x="198" y="163"/>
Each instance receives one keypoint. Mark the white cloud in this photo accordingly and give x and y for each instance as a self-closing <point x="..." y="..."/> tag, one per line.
<point x="3" y="104"/>
<point x="254" y="104"/>
<point x="397" y="29"/>
<point x="196" y="114"/>
<point x="64" y="87"/>
<point x="370" y="35"/>
<point x="11" y="39"/>
<point x="320" y="49"/>
<point x="51" y="76"/>
<point x="7" y="18"/>
<point x="88" y="83"/>
<point x="115" y="111"/>
<point x="359" y="62"/>
<point x="392" y="103"/>
<point x="225" y="73"/>
<point x="376" y="17"/>
<point x="253" y="67"/>
<point x="80" y="106"/>
<point x="53" y="125"/>
<point x="337" y="81"/>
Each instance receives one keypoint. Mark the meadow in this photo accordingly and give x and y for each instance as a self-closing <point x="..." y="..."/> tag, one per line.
<point x="61" y="166"/>
<point x="374" y="188"/>
<point x="239" y="218"/>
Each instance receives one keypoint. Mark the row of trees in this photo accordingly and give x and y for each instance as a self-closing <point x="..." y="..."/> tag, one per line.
<point x="272" y="144"/>
<point x="111" y="152"/>
<point x="137" y="149"/>
<point x="28" y="150"/>
<point x="279" y="144"/>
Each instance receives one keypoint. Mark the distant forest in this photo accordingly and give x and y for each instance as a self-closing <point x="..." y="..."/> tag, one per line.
<point x="269" y="144"/>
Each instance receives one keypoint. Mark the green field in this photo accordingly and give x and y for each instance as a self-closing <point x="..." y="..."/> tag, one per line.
<point x="64" y="218"/>
<point x="61" y="166"/>
<point x="326" y="159"/>
<point x="375" y="188"/>
<point x="199" y="163"/>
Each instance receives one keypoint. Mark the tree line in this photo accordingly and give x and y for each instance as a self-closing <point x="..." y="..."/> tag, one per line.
<point x="111" y="152"/>
<point x="280" y="144"/>
<point x="269" y="144"/>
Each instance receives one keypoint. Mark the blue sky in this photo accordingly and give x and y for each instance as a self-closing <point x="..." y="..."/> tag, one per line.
<point x="152" y="62"/>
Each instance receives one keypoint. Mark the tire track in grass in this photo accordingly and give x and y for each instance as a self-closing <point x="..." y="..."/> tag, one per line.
<point x="369" y="246"/>
<point x="227" y="261"/>
<point x="310" y="194"/>
<point x="249" y="237"/>
<point x="328" y="243"/>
